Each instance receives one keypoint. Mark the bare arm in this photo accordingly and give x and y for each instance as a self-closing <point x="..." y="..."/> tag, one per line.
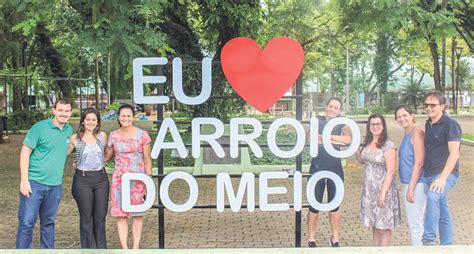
<point x="419" y="153"/>
<point x="390" y="161"/>
<point x="72" y="143"/>
<point x="358" y="155"/>
<point x="105" y="137"/>
<point x="106" y="148"/>
<point x="147" y="159"/>
<point x="343" y="139"/>
<point x="109" y="153"/>
<point x="438" y="184"/>
<point x="25" y="187"/>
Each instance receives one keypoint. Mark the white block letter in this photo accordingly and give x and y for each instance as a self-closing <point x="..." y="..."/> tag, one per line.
<point x="313" y="137"/>
<point x="297" y="191"/>
<point x="139" y="80"/>
<point x="193" y="191"/>
<point x="197" y="137"/>
<point x="206" y="82"/>
<point x="150" y="189"/>
<point x="235" y="137"/>
<point x="300" y="138"/>
<point x="335" y="202"/>
<point x="177" y="143"/>
<point x="355" y="137"/>
<point x="264" y="191"/>
<point x="247" y="181"/>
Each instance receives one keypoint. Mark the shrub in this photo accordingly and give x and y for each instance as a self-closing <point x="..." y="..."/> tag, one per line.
<point x="113" y="106"/>
<point x="358" y="111"/>
<point x="18" y="120"/>
<point x="375" y="109"/>
<point x="76" y="113"/>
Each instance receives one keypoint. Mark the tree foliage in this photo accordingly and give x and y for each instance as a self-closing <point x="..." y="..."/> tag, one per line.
<point x="98" y="40"/>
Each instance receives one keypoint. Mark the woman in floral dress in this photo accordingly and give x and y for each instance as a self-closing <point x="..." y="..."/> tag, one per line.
<point x="131" y="147"/>
<point x="380" y="206"/>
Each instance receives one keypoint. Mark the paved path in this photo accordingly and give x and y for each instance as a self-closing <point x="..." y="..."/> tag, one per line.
<point x="210" y="229"/>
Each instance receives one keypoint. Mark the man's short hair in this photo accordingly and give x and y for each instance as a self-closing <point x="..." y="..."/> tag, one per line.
<point x="438" y="95"/>
<point x="63" y="101"/>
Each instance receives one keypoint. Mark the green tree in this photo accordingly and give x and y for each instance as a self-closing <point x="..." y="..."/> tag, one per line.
<point x="413" y="91"/>
<point x="198" y="28"/>
<point x="406" y="22"/>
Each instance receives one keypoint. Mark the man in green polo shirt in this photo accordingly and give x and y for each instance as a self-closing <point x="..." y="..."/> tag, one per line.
<point x="42" y="159"/>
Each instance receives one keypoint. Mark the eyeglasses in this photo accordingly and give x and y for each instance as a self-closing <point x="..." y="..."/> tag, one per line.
<point x="375" y="125"/>
<point x="430" y="105"/>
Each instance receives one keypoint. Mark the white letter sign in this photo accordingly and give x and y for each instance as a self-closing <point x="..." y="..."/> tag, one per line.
<point x="247" y="181"/>
<point x="139" y="80"/>
<point x="193" y="191"/>
<point x="150" y="188"/>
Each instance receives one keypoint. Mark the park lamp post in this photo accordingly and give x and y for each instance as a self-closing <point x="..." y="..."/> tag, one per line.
<point x="458" y="57"/>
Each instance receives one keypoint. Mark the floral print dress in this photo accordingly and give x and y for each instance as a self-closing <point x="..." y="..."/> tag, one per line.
<point x="128" y="159"/>
<point x="371" y="214"/>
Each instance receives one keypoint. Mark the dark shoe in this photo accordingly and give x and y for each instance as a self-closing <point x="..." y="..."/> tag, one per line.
<point x="311" y="244"/>
<point x="428" y="243"/>
<point x="333" y="244"/>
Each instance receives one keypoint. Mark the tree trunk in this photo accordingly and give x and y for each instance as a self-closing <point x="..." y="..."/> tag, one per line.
<point x="2" y="61"/>
<point x="443" y="52"/>
<point x="109" y="56"/>
<point x="97" y="85"/>
<point x="15" y="85"/>
<point x="186" y="44"/>
<point x="382" y="61"/>
<point x="436" y="72"/>
<point x="181" y="35"/>
<point x="53" y="56"/>
<point x="225" y="35"/>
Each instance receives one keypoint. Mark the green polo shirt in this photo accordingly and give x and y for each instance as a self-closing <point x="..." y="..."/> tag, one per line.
<point x="50" y="145"/>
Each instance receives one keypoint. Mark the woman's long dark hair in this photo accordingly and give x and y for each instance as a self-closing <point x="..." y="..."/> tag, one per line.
<point x="81" y="130"/>
<point x="383" y="136"/>
<point x="122" y="107"/>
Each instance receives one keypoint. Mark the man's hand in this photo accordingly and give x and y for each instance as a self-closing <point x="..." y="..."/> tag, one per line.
<point x="438" y="185"/>
<point x="25" y="188"/>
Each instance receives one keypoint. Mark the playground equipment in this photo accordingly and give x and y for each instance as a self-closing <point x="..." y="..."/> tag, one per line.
<point x="109" y="116"/>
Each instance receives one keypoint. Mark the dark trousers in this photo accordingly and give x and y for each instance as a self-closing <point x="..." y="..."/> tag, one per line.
<point x="91" y="192"/>
<point x="325" y="184"/>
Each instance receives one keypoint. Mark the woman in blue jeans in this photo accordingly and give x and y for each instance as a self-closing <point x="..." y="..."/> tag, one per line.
<point x="411" y="155"/>
<point x="90" y="186"/>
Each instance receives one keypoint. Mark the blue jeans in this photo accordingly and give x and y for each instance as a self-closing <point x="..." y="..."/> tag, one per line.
<point x="43" y="200"/>
<point x="437" y="212"/>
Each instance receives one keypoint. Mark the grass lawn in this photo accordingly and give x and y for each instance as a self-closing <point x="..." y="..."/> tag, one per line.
<point x="468" y="136"/>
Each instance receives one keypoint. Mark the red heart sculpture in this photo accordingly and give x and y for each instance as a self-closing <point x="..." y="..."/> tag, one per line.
<point x="262" y="77"/>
